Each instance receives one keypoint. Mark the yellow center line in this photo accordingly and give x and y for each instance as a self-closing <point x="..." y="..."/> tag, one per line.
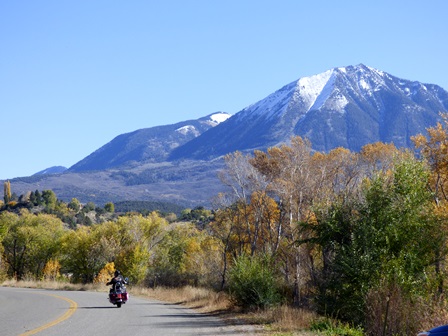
<point x="71" y="310"/>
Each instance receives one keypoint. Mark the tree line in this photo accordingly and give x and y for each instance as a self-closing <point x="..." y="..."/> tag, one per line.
<point x="360" y="236"/>
<point x="357" y="236"/>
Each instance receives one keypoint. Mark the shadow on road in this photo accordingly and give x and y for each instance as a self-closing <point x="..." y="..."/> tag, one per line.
<point x="111" y="307"/>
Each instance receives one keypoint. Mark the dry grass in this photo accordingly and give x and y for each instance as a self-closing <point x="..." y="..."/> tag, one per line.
<point x="279" y="321"/>
<point x="55" y="285"/>
<point x="286" y="318"/>
<point x="283" y="320"/>
<point x="200" y="299"/>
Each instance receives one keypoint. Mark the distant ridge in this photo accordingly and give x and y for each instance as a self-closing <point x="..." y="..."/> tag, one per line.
<point x="149" y="145"/>
<point x="52" y="170"/>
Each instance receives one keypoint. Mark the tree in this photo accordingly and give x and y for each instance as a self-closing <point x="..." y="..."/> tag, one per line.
<point x="51" y="270"/>
<point x="241" y="177"/>
<point x="292" y="178"/>
<point x="128" y="242"/>
<point x="74" y="205"/>
<point x="36" y="197"/>
<point x="78" y="257"/>
<point x="89" y="206"/>
<point x="109" y="207"/>
<point x="434" y="150"/>
<point x="49" y="199"/>
<point x="378" y="157"/>
<point x="186" y="256"/>
<point x="389" y="238"/>
<point x="105" y="274"/>
<point x="7" y="192"/>
<point x="30" y="241"/>
<point x="139" y="238"/>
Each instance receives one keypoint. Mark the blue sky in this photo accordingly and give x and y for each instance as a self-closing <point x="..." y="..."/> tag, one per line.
<point x="76" y="74"/>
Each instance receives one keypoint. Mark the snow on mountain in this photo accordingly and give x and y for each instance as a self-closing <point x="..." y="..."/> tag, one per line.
<point x="315" y="90"/>
<point x="219" y="117"/>
<point x="212" y="120"/>
<point x="342" y="107"/>
<point x="184" y="130"/>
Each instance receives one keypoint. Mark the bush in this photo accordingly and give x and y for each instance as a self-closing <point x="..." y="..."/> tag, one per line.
<point x="252" y="283"/>
<point x="330" y="327"/>
<point x="401" y="313"/>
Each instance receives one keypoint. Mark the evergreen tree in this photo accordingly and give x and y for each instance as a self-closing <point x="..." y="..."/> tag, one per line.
<point x="38" y="198"/>
<point x="49" y="199"/>
<point x="109" y="207"/>
<point x="74" y="205"/>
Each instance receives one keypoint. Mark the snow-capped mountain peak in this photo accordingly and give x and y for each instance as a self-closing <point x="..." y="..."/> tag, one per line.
<point x="343" y="107"/>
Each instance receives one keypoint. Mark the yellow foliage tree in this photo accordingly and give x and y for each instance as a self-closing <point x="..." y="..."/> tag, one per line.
<point x="51" y="270"/>
<point x="434" y="149"/>
<point x="106" y="273"/>
<point x="7" y="191"/>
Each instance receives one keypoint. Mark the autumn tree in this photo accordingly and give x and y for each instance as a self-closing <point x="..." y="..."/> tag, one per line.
<point x="186" y="256"/>
<point x="51" y="270"/>
<point x="234" y="222"/>
<point x="241" y="177"/>
<point x="378" y="157"/>
<point x="225" y="228"/>
<point x="105" y="274"/>
<point x="7" y="192"/>
<point x="128" y="242"/>
<point x="434" y="149"/>
<point x="30" y="241"/>
<point x="292" y="179"/>
<point x="77" y="256"/>
<point x="139" y="237"/>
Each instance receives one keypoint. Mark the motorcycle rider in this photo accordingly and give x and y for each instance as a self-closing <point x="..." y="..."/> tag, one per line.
<point x="117" y="278"/>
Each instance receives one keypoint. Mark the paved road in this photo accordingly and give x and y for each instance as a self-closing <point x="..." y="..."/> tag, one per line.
<point x="48" y="312"/>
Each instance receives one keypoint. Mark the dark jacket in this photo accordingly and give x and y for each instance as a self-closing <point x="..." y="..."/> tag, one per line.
<point x="114" y="280"/>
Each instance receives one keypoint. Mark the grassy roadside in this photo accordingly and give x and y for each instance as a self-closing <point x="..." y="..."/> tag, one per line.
<point x="279" y="321"/>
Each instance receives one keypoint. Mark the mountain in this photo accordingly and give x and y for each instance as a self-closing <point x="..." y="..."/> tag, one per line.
<point x="347" y="106"/>
<point x="52" y="170"/>
<point x="147" y="145"/>
<point x="342" y="107"/>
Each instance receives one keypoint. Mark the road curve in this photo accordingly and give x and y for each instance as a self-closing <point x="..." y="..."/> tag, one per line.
<point x="52" y="313"/>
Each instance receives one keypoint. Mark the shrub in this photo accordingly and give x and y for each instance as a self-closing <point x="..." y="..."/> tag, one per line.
<point x="330" y="327"/>
<point x="252" y="283"/>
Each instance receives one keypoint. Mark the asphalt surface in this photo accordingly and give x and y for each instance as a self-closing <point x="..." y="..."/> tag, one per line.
<point x="74" y="313"/>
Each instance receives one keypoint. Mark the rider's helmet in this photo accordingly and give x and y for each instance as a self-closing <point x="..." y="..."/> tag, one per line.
<point x="117" y="273"/>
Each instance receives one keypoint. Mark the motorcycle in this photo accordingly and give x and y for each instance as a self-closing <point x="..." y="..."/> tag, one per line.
<point x="118" y="294"/>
